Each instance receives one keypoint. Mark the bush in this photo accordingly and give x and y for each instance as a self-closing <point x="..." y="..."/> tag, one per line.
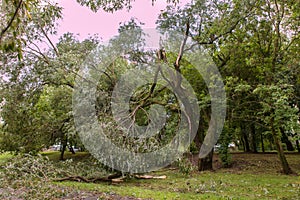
<point x="185" y="166"/>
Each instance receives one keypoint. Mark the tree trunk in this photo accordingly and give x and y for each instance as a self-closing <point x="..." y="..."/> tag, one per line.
<point x="285" y="139"/>
<point x="245" y="139"/>
<point x="203" y="163"/>
<point x="284" y="163"/>
<point x="298" y="146"/>
<point x="71" y="149"/>
<point x="64" y="142"/>
<point x="262" y="142"/>
<point x="206" y="163"/>
<point x="253" y="139"/>
<point x="62" y="152"/>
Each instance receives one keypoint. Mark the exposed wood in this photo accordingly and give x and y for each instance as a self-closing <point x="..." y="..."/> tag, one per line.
<point x="114" y="178"/>
<point x="117" y="180"/>
<point x="150" y="177"/>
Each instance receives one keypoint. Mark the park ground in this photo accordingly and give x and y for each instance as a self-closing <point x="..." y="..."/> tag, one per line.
<point x="251" y="176"/>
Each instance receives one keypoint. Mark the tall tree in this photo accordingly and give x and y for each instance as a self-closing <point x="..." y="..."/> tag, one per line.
<point x="211" y="24"/>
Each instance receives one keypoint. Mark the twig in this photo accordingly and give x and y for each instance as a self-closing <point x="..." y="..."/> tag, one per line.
<point x="49" y="40"/>
<point x="11" y="20"/>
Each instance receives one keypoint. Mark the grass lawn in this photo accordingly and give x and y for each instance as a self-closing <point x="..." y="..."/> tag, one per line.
<point x="252" y="176"/>
<point x="207" y="185"/>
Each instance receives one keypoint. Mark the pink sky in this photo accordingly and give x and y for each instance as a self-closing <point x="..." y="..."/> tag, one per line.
<point x="81" y="20"/>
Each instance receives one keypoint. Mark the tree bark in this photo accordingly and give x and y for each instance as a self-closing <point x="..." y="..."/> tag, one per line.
<point x="262" y="142"/>
<point x="284" y="163"/>
<point x="62" y="152"/>
<point x="253" y="139"/>
<point x="206" y="163"/>
<point x="285" y="139"/>
<point x="197" y="140"/>
<point x="298" y="146"/>
<point x="245" y="138"/>
<point x="203" y="163"/>
<point x="64" y="142"/>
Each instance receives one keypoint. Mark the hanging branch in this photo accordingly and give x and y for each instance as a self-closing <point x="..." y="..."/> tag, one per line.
<point x="49" y="40"/>
<point x="11" y="20"/>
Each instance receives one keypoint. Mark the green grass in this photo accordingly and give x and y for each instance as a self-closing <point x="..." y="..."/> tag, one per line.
<point x="4" y="157"/>
<point x="208" y="185"/>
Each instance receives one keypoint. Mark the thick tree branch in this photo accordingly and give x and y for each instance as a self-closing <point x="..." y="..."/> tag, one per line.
<point x="181" y="50"/>
<point x="180" y="54"/>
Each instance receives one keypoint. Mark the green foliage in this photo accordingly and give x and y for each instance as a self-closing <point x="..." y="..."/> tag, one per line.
<point x="111" y="5"/>
<point x="18" y="132"/>
<point x="37" y="98"/>
<point x="224" y="140"/>
<point x="22" y="22"/>
<point x="193" y="148"/>
<point x="185" y="166"/>
<point x="276" y="109"/>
